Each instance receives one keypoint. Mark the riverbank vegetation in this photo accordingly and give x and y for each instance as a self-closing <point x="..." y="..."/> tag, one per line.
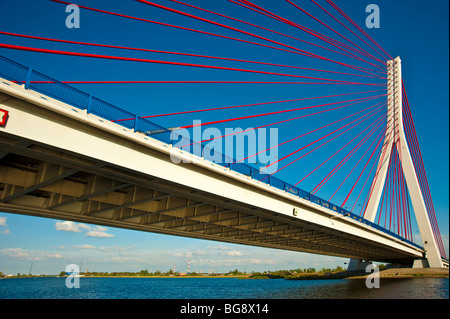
<point x="300" y="273"/>
<point x="293" y="274"/>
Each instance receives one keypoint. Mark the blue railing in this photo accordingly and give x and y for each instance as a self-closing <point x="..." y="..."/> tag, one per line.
<point x="41" y="83"/>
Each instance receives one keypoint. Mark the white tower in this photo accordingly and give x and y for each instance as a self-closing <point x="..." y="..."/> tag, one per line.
<point x="395" y="136"/>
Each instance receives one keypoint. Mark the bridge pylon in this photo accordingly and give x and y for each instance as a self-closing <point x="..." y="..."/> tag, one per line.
<point x="395" y="137"/>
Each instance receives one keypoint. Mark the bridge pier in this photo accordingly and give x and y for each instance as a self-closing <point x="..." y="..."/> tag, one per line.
<point x="358" y="264"/>
<point x="421" y="263"/>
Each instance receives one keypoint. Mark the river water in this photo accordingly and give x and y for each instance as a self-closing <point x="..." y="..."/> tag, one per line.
<point x="221" y="288"/>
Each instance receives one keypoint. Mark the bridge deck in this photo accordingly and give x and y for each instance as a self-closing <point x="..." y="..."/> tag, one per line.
<point x="121" y="178"/>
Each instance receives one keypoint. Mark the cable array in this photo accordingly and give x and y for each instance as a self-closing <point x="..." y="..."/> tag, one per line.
<point x="334" y="140"/>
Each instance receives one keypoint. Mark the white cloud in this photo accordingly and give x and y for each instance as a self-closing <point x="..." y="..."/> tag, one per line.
<point x="29" y="254"/>
<point x="54" y="255"/>
<point x="219" y="247"/>
<point x="125" y="248"/>
<point x="92" y="231"/>
<point x="234" y="253"/>
<point x="191" y="254"/>
<point x="100" y="234"/>
<point x="85" y="246"/>
<point x="3" y="221"/>
<point x="70" y="226"/>
<point x="240" y="262"/>
<point x="120" y="259"/>
<point x="91" y="247"/>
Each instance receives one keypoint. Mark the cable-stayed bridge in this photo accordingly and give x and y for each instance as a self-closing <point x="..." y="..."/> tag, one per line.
<point x="68" y="155"/>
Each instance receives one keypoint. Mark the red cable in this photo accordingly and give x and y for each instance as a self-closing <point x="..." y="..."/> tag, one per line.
<point x="292" y="162"/>
<point x="361" y="30"/>
<point x="425" y="186"/>
<point x="275" y="112"/>
<point x="408" y="210"/>
<point x="383" y="200"/>
<point x="316" y="34"/>
<point x="367" y="178"/>
<point x="335" y="152"/>
<point x="322" y="37"/>
<point x="375" y="179"/>
<point x="257" y="26"/>
<point x="242" y="31"/>
<point x="397" y="183"/>
<point x="178" y="82"/>
<point x="183" y="28"/>
<point x="168" y="52"/>
<point x="254" y="104"/>
<point x="385" y="197"/>
<point x="340" y="164"/>
<point x="312" y="130"/>
<point x="348" y="143"/>
<point x="403" y="198"/>
<point x="333" y="171"/>
<point x="377" y="59"/>
<point x="297" y="159"/>
<point x="310" y="15"/>
<point x="275" y="123"/>
<point x="98" y="56"/>
<point x="364" y="168"/>
<point x="359" y="161"/>
<point x="392" y="188"/>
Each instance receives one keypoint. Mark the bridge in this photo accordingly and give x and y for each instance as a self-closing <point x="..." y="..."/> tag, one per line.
<point x="65" y="154"/>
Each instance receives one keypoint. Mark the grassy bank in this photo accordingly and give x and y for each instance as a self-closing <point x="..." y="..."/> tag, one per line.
<point x="386" y="273"/>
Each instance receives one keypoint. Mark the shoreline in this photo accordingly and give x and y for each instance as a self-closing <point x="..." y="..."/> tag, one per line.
<point x="392" y="273"/>
<point x="206" y="276"/>
<point x="413" y="273"/>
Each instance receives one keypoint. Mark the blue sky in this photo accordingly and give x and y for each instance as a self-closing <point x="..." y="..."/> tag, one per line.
<point x="417" y="31"/>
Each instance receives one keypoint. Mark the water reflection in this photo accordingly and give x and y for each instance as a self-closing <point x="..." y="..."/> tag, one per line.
<point x="423" y="288"/>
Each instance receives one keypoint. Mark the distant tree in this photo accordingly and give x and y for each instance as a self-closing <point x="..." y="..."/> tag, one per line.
<point x="339" y="269"/>
<point x="235" y="272"/>
<point x="144" y="273"/>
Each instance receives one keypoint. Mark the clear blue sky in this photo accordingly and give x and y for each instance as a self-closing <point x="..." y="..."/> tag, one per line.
<point x="417" y="31"/>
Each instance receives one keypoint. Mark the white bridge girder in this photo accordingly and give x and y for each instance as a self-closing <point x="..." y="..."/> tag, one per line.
<point x="59" y="162"/>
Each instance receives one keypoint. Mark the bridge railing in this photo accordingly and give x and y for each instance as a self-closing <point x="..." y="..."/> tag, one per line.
<point x="41" y="83"/>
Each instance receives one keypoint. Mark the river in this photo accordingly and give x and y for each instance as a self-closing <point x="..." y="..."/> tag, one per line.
<point x="221" y="288"/>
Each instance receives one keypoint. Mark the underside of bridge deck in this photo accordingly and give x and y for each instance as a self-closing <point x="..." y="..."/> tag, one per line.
<point x="47" y="182"/>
